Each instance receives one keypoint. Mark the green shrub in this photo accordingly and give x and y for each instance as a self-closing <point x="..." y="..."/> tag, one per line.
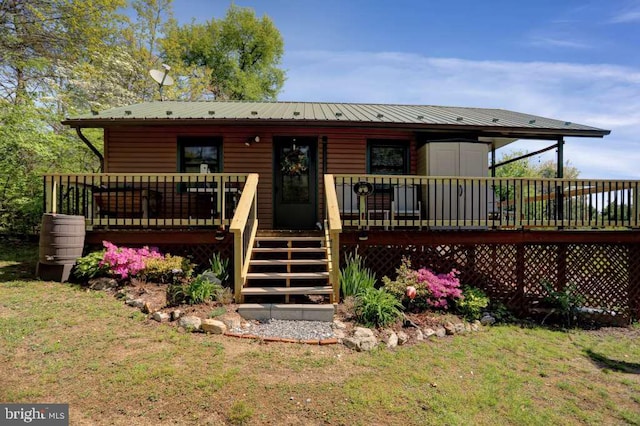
<point x="472" y="304"/>
<point x="88" y="267"/>
<point x="377" y="307"/>
<point x="223" y="295"/>
<point x="355" y="277"/>
<point x="500" y="312"/>
<point x="176" y="294"/>
<point x="433" y="291"/>
<point x="563" y="302"/>
<point x="220" y="267"/>
<point x="164" y="270"/>
<point x="202" y="288"/>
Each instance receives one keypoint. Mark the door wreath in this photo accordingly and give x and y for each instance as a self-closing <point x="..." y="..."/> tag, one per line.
<point x="294" y="163"/>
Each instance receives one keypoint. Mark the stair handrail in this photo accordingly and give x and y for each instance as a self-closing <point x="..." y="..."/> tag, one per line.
<point x="333" y="228"/>
<point x="243" y="227"/>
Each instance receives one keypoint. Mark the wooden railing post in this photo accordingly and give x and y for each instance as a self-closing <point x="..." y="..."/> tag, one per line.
<point x="246" y="214"/>
<point x="334" y="226"/>
<point x="219" y="183"/>
<point x="518" y="203"/>
<point x="634" y="220"/>
<point x="48" y="194"/>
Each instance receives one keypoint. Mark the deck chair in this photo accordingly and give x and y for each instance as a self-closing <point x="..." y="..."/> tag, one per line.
<point x="493" y="206"/>
<point x="405" y="202"/>
<point x="347" y="199"/>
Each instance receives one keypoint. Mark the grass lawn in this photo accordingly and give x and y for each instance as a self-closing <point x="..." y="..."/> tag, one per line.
<point x="60" y="343"/>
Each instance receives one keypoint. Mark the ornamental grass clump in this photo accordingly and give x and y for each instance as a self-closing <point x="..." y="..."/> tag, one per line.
<point x="355" y="277"/>
<point x="377" y="307"/>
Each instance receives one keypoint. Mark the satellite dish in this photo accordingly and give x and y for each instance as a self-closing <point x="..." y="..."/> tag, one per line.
<point x="162" y="78"/>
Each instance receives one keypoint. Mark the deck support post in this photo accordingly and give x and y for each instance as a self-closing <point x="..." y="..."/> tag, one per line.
<point x="633" y="290"/>
<point x="520" y="269"/>
<point x="562" y="267"/>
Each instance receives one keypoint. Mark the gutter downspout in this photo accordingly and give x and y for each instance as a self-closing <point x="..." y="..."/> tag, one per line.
<point x="92" y="148"/>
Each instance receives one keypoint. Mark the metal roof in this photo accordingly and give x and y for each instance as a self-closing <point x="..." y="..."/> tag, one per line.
<point x="415" y="117"/>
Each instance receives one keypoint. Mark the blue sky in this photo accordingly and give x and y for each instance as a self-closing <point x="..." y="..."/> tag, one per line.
<point x="573" y="60"/>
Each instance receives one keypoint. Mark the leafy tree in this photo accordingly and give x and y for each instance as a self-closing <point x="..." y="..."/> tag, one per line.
<point x="238" y="55"/>
<point x="525" y="168"/>
<point x="38" y="37"/>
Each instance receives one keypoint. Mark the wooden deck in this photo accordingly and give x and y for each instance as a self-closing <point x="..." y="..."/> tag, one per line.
<point x="506" y="236"/>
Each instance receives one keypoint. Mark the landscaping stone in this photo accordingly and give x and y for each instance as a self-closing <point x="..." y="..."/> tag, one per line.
<point x="467" y="327"/>
<point x="487" y="320"/>
<point x="190" y="322"/>
<point x="459" y="328"/>
<point x="213" y="326"/>
<point x="419" y="335"/>
<point x="475" y="326"/>
<point x="102" y="283"/>
<point x="175" y="315"/>
<point x="402" y="338"/>
<point x="161" y="316"/>
<point x="361" y="332"/>
<point x="232" y="322"/>
<point x="450" y="329"/>
<point x="339" y="334"/>
<point x="391" y="339"/>
<point x="368" y="343"/>
<point x="428" y="332"/>
<point x="363" y="339"/>
<point x="441" y="332"/>
<point x="351" y="342"/>
<point x="136" y="303"/>
<point x="339" y="325"/>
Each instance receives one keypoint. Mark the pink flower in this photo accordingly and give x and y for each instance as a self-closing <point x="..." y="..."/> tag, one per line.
<point x="411" y="292"/>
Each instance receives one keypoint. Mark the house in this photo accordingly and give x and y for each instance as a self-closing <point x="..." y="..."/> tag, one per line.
<point x="390" y="179"/>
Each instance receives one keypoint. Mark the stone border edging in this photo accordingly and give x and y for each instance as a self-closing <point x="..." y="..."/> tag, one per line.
<point x="320" y="342"/>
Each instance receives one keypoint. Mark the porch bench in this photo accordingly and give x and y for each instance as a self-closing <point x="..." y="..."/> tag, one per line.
<point x="127" y="202"/>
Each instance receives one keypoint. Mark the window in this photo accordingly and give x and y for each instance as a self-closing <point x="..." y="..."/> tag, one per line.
<point x="388" y="158"/>
<point x="194" y="152"/>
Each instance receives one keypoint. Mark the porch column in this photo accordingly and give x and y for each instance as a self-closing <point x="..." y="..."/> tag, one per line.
<point x="560" y="159"/>
<point x="560" y="175"/>
<point x="493" y="159"/>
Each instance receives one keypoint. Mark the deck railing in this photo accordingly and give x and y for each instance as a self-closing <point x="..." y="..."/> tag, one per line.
<point x="145" y="200"/>
<point x="390" y="202"/>
<point x="244" y="227"/>
<point x="332" y="230"/>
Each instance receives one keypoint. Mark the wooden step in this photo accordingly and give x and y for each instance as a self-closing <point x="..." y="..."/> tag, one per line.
<point x="264" y="291"/>
<point x="291" y="238"/>
<point x="284" y="262"/>
<point x="287" y="275"/>
<point x="289" y="249"/>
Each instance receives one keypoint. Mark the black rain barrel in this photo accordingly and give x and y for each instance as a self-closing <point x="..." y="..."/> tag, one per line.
<point x="61" y="243"/>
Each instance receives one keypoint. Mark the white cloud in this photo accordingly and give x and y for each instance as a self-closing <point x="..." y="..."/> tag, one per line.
<point x="556" y="42"/>
<point x="626" y="17"/>
<point x="601" y="95"/>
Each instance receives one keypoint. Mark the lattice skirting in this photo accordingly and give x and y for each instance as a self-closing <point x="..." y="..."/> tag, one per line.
<point x="606" y="275"/>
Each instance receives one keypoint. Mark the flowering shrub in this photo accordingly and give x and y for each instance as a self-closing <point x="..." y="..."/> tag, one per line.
<point x="423" y="289"/>
<point x="125" y="262"/>
<point x="165" y="269"/>
<point x="442" y="287"/>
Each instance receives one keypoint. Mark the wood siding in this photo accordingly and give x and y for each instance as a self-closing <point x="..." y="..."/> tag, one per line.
<point x="154" y="150"/>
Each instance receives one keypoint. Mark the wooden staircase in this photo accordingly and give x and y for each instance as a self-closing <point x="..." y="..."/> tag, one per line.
<point x="288" y="272"/>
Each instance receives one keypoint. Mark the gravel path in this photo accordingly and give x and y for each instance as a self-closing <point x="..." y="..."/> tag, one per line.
<point x="303" y="330"/>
